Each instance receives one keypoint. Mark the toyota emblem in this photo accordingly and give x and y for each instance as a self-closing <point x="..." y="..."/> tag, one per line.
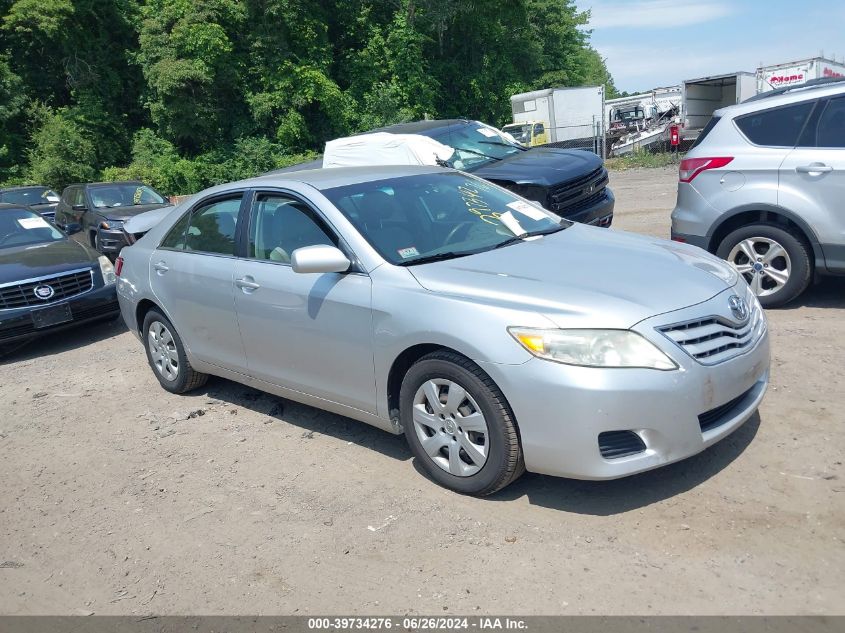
<point x="43" y="291"/>
<point x="738" y="307"/>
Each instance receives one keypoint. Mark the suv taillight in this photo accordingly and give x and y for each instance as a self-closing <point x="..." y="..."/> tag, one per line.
<point x="118" y="266"/>
<point x="691" y="167"/>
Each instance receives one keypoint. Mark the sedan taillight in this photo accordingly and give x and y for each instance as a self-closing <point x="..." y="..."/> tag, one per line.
<point x="118" y="266"/>
<point x="691" y="167"/>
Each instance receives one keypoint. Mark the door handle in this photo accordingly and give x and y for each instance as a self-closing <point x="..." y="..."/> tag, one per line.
<point x="247" y="284"/>
<point x="160" y="268"/>
<point x="813" y="168"/>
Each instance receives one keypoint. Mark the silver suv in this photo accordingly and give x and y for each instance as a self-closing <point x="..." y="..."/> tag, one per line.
<point x="764" y="188"/>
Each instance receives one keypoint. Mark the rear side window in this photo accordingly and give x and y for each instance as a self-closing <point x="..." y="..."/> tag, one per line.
<point x="710" y="125"/>
<point x="777" y="127"/>
<point x="209" y="228"/>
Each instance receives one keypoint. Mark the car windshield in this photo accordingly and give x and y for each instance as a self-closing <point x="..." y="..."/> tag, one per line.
<point x="21" y="227"/>
<point x="519" y="132"/>
<point x="475" y="145"/>
<point x="413" y="219"/>
<point x="123" y="195"/>
<point x="29" y="196"/>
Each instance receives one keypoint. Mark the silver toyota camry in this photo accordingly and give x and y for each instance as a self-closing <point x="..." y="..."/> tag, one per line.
<point x="498" y="338"/>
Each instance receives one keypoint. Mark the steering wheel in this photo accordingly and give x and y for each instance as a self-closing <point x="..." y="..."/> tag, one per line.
<point x="452" y="237"/>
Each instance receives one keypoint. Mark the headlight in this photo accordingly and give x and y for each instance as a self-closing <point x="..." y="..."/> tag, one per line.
<point x="593" y="348"/>
<point x="112" y="225"/>
<point x="107" y="268"/>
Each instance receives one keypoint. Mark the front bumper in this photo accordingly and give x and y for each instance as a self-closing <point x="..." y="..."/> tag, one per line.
<point x="99" y="303"/>
<point x="598" y="214"/>
<point x="562" y="409"/>
<point x="111" y="241"/>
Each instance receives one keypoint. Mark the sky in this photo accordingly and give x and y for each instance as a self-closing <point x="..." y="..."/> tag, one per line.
<point x="652" y="43"/>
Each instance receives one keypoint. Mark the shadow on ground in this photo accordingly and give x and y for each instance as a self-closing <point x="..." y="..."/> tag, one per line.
<point x="63" y="341"/>
<point x="828" y="293"/>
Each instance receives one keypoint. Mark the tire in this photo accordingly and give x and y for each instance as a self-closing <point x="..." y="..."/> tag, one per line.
<point x="168" y="361"/>
<point x="485" y="461"/>
<point x="776" y="276"/>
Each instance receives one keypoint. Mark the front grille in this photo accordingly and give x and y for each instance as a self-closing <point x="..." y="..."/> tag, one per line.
<point x="721" y="414"/>
<point x="64" y="285"/>
<point x="715" y="339"/>
<point x="579" y="194"/>
<point x="616" y="444"/>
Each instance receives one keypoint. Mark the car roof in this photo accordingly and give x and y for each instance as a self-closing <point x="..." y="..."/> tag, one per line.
<point x="22" y="187"/>
<point x="797" y="95"/>
<point x="421" y="127"/>
<point x="329" y="178"/>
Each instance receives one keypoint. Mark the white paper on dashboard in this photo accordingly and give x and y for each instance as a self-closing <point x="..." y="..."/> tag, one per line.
<point x="512" y="224"/>
<point x="486" y="131"/>
<point x="33" y="223"/>
<point x="528" y="209"/>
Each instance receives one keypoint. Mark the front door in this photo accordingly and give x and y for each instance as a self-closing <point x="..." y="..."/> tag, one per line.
<point x="307" y="332"/>
<point x="192" y="275"/>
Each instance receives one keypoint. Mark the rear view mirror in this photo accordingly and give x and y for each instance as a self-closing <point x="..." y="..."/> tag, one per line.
<point x="319" y="259"/>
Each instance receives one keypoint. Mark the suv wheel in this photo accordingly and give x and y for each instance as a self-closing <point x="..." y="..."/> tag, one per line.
<point x="459" y="426"/>
<point x="166" y="355"/>
<point x="775" y="262"/>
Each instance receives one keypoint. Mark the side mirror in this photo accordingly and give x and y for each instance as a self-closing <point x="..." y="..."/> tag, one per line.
<point x="319" y="259"/>
<point x="72" y="228"/>
<point x="79" y="207"/>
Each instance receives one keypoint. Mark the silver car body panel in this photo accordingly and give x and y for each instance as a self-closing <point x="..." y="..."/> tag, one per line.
<point x="330" y="340"/>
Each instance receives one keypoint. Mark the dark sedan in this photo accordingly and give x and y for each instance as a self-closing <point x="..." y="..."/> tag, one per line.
<point x="37" y="197"/>
<point x="47" y="281"/>
<point x="94" y="213"/>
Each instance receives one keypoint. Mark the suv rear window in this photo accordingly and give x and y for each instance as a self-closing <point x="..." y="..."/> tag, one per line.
<point x="776" y="127"/>
<point x="710" y="125"/>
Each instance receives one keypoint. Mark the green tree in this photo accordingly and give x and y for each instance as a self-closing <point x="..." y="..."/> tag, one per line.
<point x="61" y="153"/>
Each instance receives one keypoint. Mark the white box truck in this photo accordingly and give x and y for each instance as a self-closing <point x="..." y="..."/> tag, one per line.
<point x="571" y="117"/>
<point x="797" y="73"/>
<point x="702" y="97"/>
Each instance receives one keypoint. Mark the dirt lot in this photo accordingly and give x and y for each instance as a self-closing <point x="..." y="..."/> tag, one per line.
<point x="118" y="498"/>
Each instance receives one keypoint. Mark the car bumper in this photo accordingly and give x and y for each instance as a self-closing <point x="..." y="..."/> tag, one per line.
<point x="599" y="213"/>
<point x="18" y="324"/>
<point x="111" y="241"/>
<point x="561" y="409"/>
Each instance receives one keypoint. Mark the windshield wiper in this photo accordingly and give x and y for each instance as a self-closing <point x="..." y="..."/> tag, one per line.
<point x="472" y="151"/>
<point x="520" y="238"/>
<point x="436" y="257"/>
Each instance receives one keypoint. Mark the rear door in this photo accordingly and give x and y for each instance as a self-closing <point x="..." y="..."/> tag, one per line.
<point x="307" y="332"/>
<point x="192" y="275"/>
<point x="812" y="178"/>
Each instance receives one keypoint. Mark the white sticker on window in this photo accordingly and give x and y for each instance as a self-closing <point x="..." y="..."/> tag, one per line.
<point x="33" y="223"/>
<point x="528" y="209"/>
<point x="405" y="253"/>
<point x="486" y="131"/>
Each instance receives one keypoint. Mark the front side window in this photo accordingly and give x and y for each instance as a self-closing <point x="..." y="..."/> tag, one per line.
<point x="21" y="227"/>
<point x="777" y="127"/>
<point x="440" y="215"/>
<point x="123" y="195"/>
<point x="280" y="224"/>
<point x="831" y="129"/>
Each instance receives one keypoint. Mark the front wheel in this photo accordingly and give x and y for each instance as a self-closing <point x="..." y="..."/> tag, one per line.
<point x="459" y="425"/>
<point x="775" y="263"/>
<point x="166" y="355"/>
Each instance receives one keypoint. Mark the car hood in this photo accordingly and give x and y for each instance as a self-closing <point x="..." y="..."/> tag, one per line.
<point x="584" y="277"/>
<point x="37" y="260"/>
<point x="143" y="222"/>
<point x="124" y="213"/>
<point x="545" y="166"/>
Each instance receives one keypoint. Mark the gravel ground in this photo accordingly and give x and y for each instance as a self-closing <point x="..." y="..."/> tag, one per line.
<point x="119" y="498"/>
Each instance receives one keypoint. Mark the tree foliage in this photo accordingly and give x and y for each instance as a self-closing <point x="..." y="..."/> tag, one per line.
<point x="185" y="93"/>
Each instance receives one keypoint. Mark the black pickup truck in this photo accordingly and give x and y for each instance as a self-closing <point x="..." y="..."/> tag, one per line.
<point x="570" y="183"/>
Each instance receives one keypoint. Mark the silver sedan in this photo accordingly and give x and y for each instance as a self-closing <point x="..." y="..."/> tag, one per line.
<point x="424" y="301"/>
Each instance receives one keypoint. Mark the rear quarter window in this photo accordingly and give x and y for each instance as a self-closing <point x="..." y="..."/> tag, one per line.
<point x="707" y="128"/>
<point x="776" y="127"/>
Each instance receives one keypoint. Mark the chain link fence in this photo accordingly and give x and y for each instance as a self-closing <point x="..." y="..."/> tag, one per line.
<point x="588" y="136"/>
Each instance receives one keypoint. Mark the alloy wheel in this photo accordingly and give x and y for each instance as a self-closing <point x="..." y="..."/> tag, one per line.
<point x="450" y="427"/>
<point x="763" y="262"/>
<point x="163" y="351"/>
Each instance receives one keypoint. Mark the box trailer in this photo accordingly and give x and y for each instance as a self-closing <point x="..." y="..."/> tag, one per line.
<point x="797" y="73"/>
<point x="572" y="117"/>
<point x="702" y="97"/>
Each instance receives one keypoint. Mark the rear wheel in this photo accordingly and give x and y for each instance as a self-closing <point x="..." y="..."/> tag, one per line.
<point x="459" y="426"/>
<point x="166" y="355"/>
<point x="775" y="263"/>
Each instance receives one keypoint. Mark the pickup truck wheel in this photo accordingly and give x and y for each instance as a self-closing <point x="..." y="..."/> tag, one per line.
<point x="166" y="355"/>
<point x="775" y="263"/>
<point x="459" y="426"/>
